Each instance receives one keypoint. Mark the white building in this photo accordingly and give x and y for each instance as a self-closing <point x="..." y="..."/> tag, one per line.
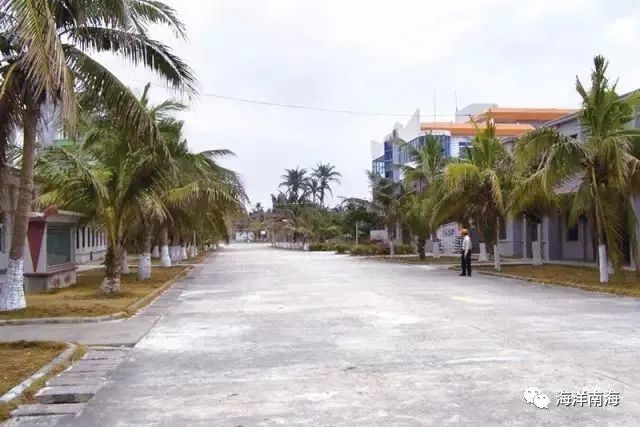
<point x="455" y="137"/>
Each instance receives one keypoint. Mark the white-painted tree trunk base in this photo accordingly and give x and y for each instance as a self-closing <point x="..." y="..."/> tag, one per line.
<point x="125" y="263"/>
<point x="536" y="249"/>
<point x="155" y="253"/>
<point x="603" y="264"/>
<point x="306" y="247"/>
<point x="183" y="253"/>
<point x="165" y="259"/>
<point x="496" y="257"/>
<point x="110" y="285"/>
<point x="144" y="266"/>
<point x="12" y="287"/>
<point x="392" y="249"/>
<point x="173" y="253"/>
<point x="192" y="251"/>
<point x="436" y="250"/>
<point x="484" y="256"/>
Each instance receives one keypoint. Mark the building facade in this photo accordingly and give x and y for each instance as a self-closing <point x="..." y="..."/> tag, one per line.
<point x="456" y="136"/>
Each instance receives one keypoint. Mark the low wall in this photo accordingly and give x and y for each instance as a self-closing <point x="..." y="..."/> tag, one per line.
<point x="292" y="245"/>
<point x="61" y="277"/>
<point x="85" y="257"/>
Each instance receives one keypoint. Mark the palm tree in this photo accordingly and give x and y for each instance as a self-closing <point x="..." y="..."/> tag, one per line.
<point x="295" y="181"/>
<point x="600" y="166"/>
<point x="313" y="187"/>
<point x="386" y="202"/>
<point x="127" y="187"/>
<point x="110" y="178"/>
<point x="325" y="174"/>
<point x="422" y="176"/>
<point x="426" y="163"/>
<point x="200" y="196"/>
<point x="474" y="190"/>
<point x="45" y="58"/>
<point x="413" y="215"/>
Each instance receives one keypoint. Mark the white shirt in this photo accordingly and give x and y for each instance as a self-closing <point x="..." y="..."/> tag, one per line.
<point x="466" y="244"/>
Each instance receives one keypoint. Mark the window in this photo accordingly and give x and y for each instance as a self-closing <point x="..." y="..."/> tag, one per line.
<point x="93" y="237"/>
<point x="378" y="166"/>
<point x="58" y="245"/>
<point x="573" y="234"/>
<point x="1" y="237"/>
<point x="83" y="237"/>
<point x="77" y="238"/>
<point x="503" y="229"/>
<point x="463" y="149"/>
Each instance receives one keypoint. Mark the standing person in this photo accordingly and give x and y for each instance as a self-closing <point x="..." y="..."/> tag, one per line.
<point x="466" y="253"/>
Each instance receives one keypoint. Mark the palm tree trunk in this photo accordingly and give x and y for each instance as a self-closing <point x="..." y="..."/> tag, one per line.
<point x="603" y="263"/>
<point x="165" y="258"/>
<point x="172" y="249"/>
<point x="496" y="247"/>
<point x="193" y="251"/>
<point x="124" y="266"/>
<point x="12" y="290"/>
<point x="144" y="259"/>
<point x="635" y="235"/>
<point x="421" y="243"/>
<point x="155" y="252"/>
<point x="392" y="249"/>
<point x="112" y="269"/>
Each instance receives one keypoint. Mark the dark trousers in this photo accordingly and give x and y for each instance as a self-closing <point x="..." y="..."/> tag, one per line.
<point x="466" y="263"/>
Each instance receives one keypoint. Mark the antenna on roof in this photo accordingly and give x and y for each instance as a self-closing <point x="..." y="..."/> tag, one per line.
<point x="434" y="104"/>
<point x="455" y="98"/>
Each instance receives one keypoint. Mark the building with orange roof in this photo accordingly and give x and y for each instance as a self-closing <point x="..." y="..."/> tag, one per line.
<point x="456" y="137"/>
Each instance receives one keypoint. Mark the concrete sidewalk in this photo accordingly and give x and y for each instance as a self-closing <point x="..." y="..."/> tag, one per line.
<point x="122" y="332"/>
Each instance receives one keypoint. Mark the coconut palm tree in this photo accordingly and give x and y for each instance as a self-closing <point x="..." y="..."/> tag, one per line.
<point x="313" y="188"/>
<point x="105" y="178"/>
<point x="414" y="216"/>
<point x="325" y="174"/>
<point x="46" y="48"/>
<point x="422" y="177"/>
<point x="200" y="196"/>
<point x="295" y="181"/>
<point x="386" y="202"/>
<point x="599" y="167"/>
<point x="129" y="187"/>
<point x="475" y="189"/>
<point x="425" y="165"/>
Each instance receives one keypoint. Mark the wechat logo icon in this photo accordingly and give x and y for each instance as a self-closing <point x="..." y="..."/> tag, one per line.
<point x="535" y="396"/>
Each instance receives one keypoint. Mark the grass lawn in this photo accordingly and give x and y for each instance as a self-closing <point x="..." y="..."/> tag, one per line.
<point x="84" y="298"/>
<point x="573" y="276"/>
<point x="414" y="259"/>
<point x="19" y="360"/>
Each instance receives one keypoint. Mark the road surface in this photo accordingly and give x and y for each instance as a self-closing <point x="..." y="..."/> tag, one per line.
<point x="264" y="336"/>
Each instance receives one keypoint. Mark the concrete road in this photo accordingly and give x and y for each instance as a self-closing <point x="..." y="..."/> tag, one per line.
<point x="264" y="336"/>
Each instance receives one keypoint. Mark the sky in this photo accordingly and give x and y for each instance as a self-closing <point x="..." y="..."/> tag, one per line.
<point x="376" y="56"/>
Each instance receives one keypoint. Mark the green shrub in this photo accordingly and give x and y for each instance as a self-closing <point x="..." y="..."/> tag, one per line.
<point x="404" y="250"/>
<point x="381" y="249"/>
<point x="360" y="250"/>
<point x="342" y="248"/>
<point x="316" y="247"/>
